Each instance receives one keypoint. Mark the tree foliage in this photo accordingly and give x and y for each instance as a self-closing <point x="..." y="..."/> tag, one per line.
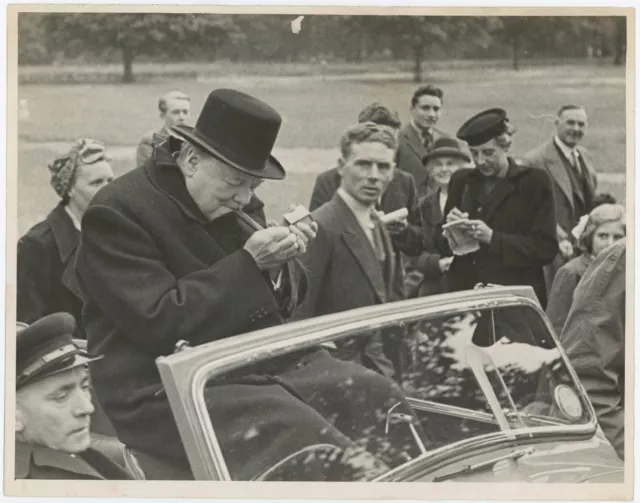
<point x="44" y="38"/>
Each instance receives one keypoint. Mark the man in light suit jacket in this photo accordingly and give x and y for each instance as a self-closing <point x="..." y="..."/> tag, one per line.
<point x="175" y="109"/>
<point x="574" y="178"/>
<point x="417" y="137"/>
<point x="351" y="262"/>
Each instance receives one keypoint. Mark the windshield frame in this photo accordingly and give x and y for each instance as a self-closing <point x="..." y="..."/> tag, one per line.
<point x="185" y="374"/>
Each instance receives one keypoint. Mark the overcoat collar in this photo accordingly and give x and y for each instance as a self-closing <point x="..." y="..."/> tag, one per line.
<point x="45" y="457"/>
<point x="432" y="212"/>
<point x="505" y="187"/>
<point x="361" y="248"/>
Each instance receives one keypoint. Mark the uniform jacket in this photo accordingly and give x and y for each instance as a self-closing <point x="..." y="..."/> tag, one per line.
<point x="46" y="279"/>
<point x="152" y="274"/>
<point x="521" y="212"/>
<point x="411" y="153"/>
<point x="146" y="143"/>
<point x="344" y="272"/>
<point x="34" y="462"/>
<point x="593" y="337"/>
<point x="424" y="272"/>
<point x="564" y="284"/>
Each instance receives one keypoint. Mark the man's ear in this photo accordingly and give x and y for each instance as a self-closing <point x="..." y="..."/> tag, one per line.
<point x="190" y="166"/>
<point x="340" y="165"/>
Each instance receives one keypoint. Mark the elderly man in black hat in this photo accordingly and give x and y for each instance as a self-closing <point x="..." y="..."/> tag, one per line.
<point x="53" y="406"/>
<point x="166" y="256"/>
<point x="502" y="211"/>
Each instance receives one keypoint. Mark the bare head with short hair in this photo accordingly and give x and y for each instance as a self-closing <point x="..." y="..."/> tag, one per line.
<point x="379" y="114"/>
<point x="368" y="132"/>
<point x="571" y="124"/>
<point x="175" y="108"/>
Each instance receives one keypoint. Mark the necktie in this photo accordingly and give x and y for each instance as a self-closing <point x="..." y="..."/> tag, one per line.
<point x="427" y="139"/>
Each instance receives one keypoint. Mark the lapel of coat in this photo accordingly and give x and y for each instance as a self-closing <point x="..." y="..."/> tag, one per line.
<point x="358" y="244"/>
<point x="433" y="213"/>
<point x="414" y="141"/>
<point x="505" y="187"/>
<point x="558" y="171"/>
<point x="43" y="456"/>
<point x="67" y="239"/>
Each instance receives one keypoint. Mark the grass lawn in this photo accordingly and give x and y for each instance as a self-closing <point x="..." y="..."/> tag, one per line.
<point x="315" y="111"/>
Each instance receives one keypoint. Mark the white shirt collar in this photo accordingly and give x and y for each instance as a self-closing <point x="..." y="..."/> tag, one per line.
<point x="566" y="149"/>
<point x="361" y="211"/>
<point x="74" y="219"/>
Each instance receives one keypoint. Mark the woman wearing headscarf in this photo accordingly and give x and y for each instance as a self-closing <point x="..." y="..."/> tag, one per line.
<point x="46" y="281"/>
<point x="595" y="232"/>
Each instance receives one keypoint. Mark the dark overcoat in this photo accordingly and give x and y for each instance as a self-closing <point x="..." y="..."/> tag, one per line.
<point x="424" y="276"/>
<point x="46" y="279"/>
<point x="594" y="339"/>
<point x="35" y="462"/>
<point x="153" y="272"/>
<point x="521" y="212"/>
<point x="564" y="284"/>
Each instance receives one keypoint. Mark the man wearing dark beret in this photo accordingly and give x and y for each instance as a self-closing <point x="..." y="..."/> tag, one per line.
<point x="503" y="211"/>
<point x="174" y="250"/>
<point x="53" y="406"/>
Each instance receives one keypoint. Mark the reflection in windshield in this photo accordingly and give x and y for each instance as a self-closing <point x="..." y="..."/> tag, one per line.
<point x="460" y="376"/>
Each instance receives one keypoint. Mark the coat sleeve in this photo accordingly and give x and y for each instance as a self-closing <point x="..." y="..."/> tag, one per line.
<point x="593" y="338"/>
<point x="561" y="297"/>
<point x="124" y="274"/>
<point x="316" y="261"/>
<point x="33" y="280"/>
<point x="537" y="245"/>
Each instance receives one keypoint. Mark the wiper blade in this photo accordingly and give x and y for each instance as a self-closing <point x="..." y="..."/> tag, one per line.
<point x="484" y="465"/>
<point x="519" y="416"/>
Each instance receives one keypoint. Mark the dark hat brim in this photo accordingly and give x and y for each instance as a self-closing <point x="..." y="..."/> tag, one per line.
<point x="272" y="171"/>
<point x="446" y="152"/>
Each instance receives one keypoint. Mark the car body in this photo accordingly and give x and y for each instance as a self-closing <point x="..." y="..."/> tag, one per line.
<point x="487" y="378"/>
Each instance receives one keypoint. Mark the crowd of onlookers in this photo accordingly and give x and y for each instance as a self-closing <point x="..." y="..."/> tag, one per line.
<point x="164" y="253"/>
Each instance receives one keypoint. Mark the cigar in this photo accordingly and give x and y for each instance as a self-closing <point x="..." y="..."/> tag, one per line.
<point x="248" y="220"/>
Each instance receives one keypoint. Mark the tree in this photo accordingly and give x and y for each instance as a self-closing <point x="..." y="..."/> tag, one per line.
<point x="134" y="34"/>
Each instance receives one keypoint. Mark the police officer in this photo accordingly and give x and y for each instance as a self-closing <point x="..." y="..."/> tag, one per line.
<point x="53" y="406"/>
<point x="503" y="210"/>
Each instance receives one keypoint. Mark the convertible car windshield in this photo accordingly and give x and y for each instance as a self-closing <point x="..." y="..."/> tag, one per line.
<point x="493" y="373"/>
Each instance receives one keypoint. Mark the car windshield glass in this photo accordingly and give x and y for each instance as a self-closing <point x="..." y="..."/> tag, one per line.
<point x="377" y="397"/>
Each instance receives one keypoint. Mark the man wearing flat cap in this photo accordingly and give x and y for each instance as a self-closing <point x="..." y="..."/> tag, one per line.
<point x="169" y="253"/>
<point x="504" y="211"/>
<point x="53" y="406"/>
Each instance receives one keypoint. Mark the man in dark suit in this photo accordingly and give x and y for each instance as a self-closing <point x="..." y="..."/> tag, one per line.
<point x="166" y="256"/>
<point x="351" y="262"/>
<point x="417" y="137"/>
<point x="54" y="407"/>
<point x="175" y="109"/>
<point x="406" y="234"/>
<point x="505" y="215"/>
<point x="573" y="176"/>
